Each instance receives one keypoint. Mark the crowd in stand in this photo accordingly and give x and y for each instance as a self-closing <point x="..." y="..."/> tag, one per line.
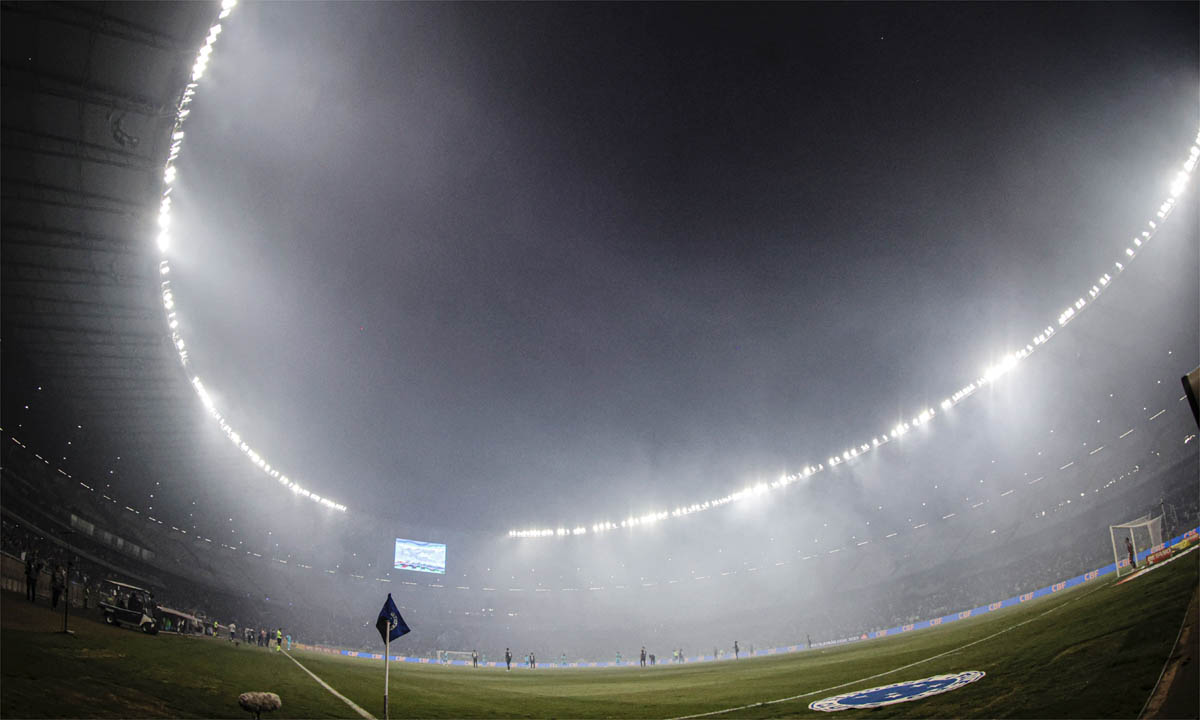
<point x="230" y="594"/>
<point x="45" y="566"/>
<point x="919" y="597"/>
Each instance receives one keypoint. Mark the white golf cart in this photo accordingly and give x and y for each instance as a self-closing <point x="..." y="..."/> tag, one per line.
<point x="125" y="604"/>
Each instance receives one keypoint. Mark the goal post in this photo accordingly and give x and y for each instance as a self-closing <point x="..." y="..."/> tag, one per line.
<point x="1143" y="534"/>
<point x="448" y="657"/>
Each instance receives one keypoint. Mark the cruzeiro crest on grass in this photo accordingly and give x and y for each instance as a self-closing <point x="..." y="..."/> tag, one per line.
<point x="896" y="693"/>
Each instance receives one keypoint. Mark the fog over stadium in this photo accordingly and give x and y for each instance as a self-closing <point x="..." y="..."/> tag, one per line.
<point x="468" y="269"/>
<point x="520" y="267"/>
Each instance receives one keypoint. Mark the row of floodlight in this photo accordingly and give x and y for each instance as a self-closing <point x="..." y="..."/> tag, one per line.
<point x="163" y="240"/>
<point x="990" y="375"/>
<point x="993" y="373"/>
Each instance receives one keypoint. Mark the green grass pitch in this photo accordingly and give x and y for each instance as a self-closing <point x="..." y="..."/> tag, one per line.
<point x="1092" y="651"/>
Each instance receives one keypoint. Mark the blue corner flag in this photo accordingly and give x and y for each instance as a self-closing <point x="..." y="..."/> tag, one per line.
<point x="390" y="615"/>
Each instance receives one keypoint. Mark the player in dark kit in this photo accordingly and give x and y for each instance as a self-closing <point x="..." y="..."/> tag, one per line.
<point x="507" y="659"/>
<point x="735" y="650"/>
<point x="643" y="656"/>
<point x="1132" y="558"/>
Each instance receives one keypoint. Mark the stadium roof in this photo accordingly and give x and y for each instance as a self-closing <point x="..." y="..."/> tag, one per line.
<point x="90" y="93"/>
<point x="89" y="100"/>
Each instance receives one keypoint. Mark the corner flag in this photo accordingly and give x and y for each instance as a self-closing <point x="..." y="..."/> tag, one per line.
<point x="390" y="616"/>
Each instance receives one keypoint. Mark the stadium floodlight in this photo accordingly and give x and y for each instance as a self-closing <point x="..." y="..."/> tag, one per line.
<point x="162" y="240"/>
<point x="204" y="396"/>
<point x="170" y="175"/>
<point x="1178" y="187"/>
<point x="1179" y="184"/>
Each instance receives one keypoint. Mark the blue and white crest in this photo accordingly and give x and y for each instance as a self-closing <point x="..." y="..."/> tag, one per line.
<point x="896" y="693"/>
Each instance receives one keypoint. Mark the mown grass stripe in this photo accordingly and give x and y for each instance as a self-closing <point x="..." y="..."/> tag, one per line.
<point x="335" y="693"/>
<point x="893" y="670"/>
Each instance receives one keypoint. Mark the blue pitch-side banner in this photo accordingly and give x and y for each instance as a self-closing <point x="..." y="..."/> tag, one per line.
<point x="921" y="625"/>
<point x="1026" y="597"/>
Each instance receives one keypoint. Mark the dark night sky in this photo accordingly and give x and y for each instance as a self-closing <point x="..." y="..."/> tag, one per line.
<point x="522" y="264"/>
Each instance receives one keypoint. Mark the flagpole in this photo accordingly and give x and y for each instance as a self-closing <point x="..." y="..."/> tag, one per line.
<point x="387" y="652"/>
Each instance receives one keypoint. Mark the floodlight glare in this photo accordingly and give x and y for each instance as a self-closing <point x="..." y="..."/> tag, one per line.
<point x="1179" y="184"/>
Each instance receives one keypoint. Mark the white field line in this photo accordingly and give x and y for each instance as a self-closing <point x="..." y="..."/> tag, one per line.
<point x="1151" y="568"/>
<point x="336" y="694"/>
<point x="893" y="670"/>
<point x="1166" y="663"/>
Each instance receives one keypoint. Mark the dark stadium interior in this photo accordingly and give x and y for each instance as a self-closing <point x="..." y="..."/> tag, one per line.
<point x="109" y="457"/>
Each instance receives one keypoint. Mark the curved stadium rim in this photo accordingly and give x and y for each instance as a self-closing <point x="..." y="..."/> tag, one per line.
<point x="992" y="374"/>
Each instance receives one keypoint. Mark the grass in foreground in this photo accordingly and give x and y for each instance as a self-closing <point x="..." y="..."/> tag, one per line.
<point x="115" y="672"/>
<point x="1094" y="651"/>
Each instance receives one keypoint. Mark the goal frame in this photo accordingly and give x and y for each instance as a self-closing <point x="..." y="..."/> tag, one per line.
<point x="1153" y="527"/>
<point x="447" y="657"/>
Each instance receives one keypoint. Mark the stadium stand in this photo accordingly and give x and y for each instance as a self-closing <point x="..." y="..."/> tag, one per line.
<point x="883" y="587"/>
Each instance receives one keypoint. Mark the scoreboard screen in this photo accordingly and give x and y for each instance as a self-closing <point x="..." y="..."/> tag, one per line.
<point x="420" y="556"/>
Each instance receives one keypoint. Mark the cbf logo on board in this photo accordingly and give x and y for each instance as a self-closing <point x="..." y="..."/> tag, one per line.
<point x="897" y="693"/>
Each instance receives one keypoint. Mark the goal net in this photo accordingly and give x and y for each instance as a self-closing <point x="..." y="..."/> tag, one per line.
<point x="447" y="657"/>
<point x="1140" y="535"/>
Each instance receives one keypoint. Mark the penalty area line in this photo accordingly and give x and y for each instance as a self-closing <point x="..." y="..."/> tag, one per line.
<point x="887" y="672"/>
<point x="336" y="694"/>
